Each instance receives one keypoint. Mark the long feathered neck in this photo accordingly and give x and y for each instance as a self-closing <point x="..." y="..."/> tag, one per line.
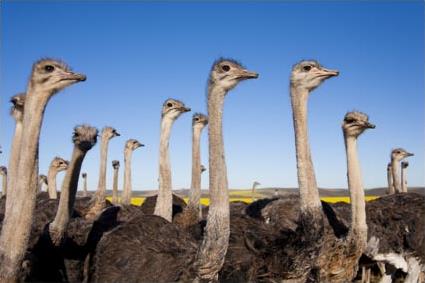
<point x="164" y="202"/>
<point x="14" y="155"/>
<point x="211" y="253"/>
<point x="404" y="179"/>
<point x="115" y="186"/>
<point x="390" y="181"/>
<point x="395" y="169"/>
<point x="309" y="194"/>
<point x="195" y="187"/>
<point x="358" y="205"/>
<point x="101" y="187"/>
<point x="59" y="225"/>
<point x="126" y="198"/>
<point x="51" y="183"/>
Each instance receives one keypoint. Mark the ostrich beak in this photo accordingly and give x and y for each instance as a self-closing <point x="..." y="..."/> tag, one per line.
<point x="185" y="109"/>
<point x="75" y="77"/>
<point x="409" y="154"/>
<point x="117" y="134"/>
<point x="370" y="125"/>
<point x="328" y="73"/>
<point x="245" y="74"/>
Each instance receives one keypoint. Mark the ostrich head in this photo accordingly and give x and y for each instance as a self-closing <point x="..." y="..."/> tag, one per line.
<point x="199" y="120"/>
<point x="51" y="76"/>
<point x="108" y="133"/>
<point x="173" y="108"/>
<point x="17" y="109"/>
<point x="203" y="169"/>
<point x="132" y="144"/>
<point x="3" y="170"/>
<point x="227" y="73"/>
<point x="309" y="75"/>
<point x="59" y="164"/>
<point x="115" y="164"/>
<point x="355" y="123"/>
<point x="404" y="164"/>
<point x="85" y="137"/>
<point x="42" y="179"/>
<point x="399" y="154"/>
<point x="84" y="175"/>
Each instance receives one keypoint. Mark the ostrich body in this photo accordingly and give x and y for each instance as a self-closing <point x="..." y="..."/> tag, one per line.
<point x="171" y="110"/>
<point x="404" y="166"/>
<point x="130" y="146"/>
<point x="84" y="139"/>
<point x="99" y="198"/>
<point x="57" y="165"/>
<point x="47" y="78"/>
<point x="116" y="166"/>
<point x="17" y="112"/>
<point x="397" y="155"/>
<point x="42" y="181"/>
<point x="84" y="176"/>
<point x="390" y="190"/>
<point x="3" y="173"/>
<point x="224" y="76"/>
<point x="339" y="257"/>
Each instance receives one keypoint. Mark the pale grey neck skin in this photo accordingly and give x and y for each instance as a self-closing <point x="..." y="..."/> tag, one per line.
<point x="116" y="166"/>
<point x="224" y="76"/>
<point x="17" y="112"/>
<point x="164" y="202"/>
<point x="84" y="184"/>
<point x="107" y="134"/>
<point x="3" y="173"/>
<point x="397" y="155"/>
<point x="130" y="146"/>
<point x="390" y="180"/>
<point x="47" y="78"/>
<point x="404" y="166"/>
<point x="195" y="187"/>
<point x="84" y="140"/>
<point x="305" y="77"/>
<point x="57" y="165"/>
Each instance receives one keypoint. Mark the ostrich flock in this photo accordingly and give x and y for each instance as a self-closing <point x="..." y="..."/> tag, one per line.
<point x="61" y="236"/>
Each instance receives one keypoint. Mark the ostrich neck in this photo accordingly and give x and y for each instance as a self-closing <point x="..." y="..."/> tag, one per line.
<point x="396" y="175"/>
<point x="101" y="187"/>
<point x="195" y="187"/>
<point x="358" y="204"/>
<point x="68" y="193"/>
<point x="404" y="180"/>
<point x="309" y="194"/>
<point x="51" y="183"/>
<point x="20" y="202"/>
<point x="213" y="249"/>
<point x="14" y="155"/>
<point x="127" y="177"/>
<point x="85" y="185"/>
<point x="115" y="186"/>
<point x="164" y="202"/>
<point x="4" y="185"/>
<point x="390" y="181"/>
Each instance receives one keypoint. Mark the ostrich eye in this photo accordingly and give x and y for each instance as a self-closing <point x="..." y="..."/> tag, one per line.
<point x="225" y="68"/>
<point x="349" y="120"/>
<point x="169" y="104"/>
<point x="307" y="68"/>
<point x="398" y="151"/>
<point x="49" y="68"/>
<point x="196" y="119"/>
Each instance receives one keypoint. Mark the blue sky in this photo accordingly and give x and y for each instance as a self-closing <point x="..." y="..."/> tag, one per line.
<point x="137" y="54"/>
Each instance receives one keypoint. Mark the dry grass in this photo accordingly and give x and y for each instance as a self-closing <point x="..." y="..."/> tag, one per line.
<point x="237" y="196"/>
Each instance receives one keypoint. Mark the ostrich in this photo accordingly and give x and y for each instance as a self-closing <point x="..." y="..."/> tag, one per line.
<point x="84" y="176"/>
<point x="17" y="112"/>
<point x="191" y="213"/>
<point x="390" y="190"/>
<point x="224" y="76"/>
<point x="116" y="166"/>
<point x="404" y="165"/>
<point x="397" y="155"/>
<point x="48" y="77"/>
<point x="3" y="173"/>
<point x="99" y="198"/>
<point x="130" y="146"/>
<point x="339" y="257"/>
<point x="42" y="180"/>
<point x="171" y="110"/>
<point x="254" y="186"/>
<point x="57" y="165"/>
